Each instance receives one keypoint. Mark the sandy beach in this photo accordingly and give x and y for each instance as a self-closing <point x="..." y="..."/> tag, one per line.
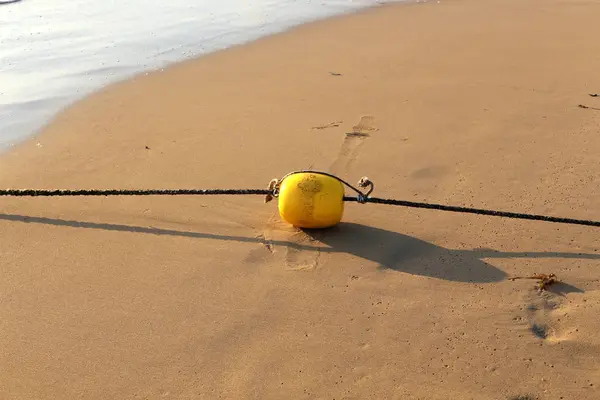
<point x="463" y="102"/>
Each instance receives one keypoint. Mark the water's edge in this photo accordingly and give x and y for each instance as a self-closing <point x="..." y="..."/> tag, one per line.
<point x="52" y="107"/>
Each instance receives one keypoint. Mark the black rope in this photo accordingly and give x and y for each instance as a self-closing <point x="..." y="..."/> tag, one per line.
<point x="374" y="200"/>
<point x="130" y="192"/>
<point x="478" y="211"/>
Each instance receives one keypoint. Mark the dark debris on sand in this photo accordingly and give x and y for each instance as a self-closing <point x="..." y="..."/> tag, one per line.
<point x="523" y="397"/>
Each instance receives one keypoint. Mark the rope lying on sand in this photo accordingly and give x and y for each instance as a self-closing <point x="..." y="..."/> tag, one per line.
<point x="468" y="210"/>
<point x="129" y="192"/>
<point x="268" y="192"/>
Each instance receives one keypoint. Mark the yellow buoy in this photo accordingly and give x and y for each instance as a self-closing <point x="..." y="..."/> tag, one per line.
<point x="311" y="200"/>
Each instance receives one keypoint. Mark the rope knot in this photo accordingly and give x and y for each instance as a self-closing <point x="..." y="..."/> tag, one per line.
<point x="273" y="189"/>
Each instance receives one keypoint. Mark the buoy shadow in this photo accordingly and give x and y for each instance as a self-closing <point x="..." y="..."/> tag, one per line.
<point x="562" y="289"/>
<point x="407" y="254"/>
<point x="388" y="249"/>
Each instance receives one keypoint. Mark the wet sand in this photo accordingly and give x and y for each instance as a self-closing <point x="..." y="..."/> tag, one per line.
<point x="55" y="53"/>
<point x="465" y="103"/>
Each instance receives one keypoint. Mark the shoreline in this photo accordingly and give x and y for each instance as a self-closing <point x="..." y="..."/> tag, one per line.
<point x="160" y="66"/>
<point x="459" y="102"/>
<point x="159" y="70"/>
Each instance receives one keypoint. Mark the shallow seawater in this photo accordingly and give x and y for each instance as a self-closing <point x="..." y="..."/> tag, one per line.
<point x="53" y="52"/>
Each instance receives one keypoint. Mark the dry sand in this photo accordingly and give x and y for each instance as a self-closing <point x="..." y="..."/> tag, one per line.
<point x="474" y="102"/>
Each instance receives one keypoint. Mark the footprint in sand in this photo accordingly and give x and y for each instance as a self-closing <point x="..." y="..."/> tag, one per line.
<point x="429" y="173"/>
<point x="334" y="124"/>
<point x="365" y="126"/>
<point x="543" y="314"/>
<point x="291" y="247"/>
<point x="301" y="260"/>
<point x="352" y="143"/>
